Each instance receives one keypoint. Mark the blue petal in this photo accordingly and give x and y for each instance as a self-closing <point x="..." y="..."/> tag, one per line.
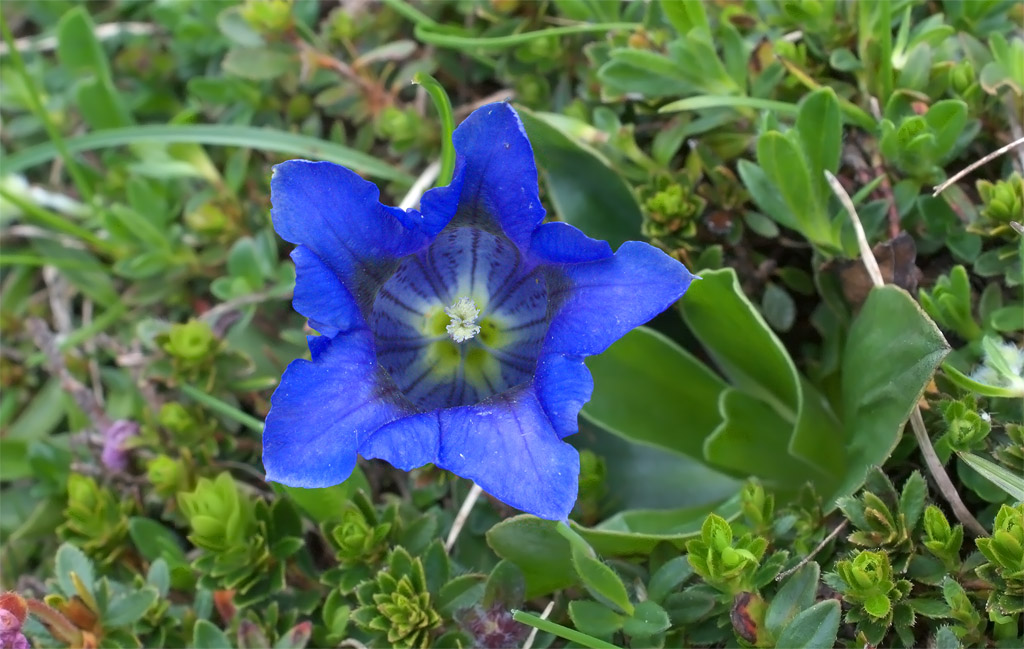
<point x="508" y="447"/>
<point x="563" y="385"/>
<point x="561" y="243"/>
<point x="440" y="204"/>
<point x="599" y="302"/>
<point x="324" y="409"/>
<point x="321" y="297"/>
<point x="405" y="444"/>
<point x="499" y="177"/>
<point x="337" y="215"/>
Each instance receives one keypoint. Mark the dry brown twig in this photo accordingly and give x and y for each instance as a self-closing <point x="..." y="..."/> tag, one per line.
<point x="977" y="163"/>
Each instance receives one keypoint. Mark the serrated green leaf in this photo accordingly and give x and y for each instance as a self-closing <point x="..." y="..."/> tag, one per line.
<point x="601" y="581"/>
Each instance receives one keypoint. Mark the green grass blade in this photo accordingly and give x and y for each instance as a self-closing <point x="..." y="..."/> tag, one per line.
<point x="998" y="475"/>
<point x="226" y="409"/>
<point x="250" y="137"/>
<point x="561" y="631"/>
<point x="496" y="42"/>
<point x="728" y="101"/>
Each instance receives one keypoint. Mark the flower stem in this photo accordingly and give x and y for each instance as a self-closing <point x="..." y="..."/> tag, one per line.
<point x="444" y="111"/>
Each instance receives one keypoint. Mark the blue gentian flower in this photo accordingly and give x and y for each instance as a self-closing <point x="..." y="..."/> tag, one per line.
<point x="454" y="335"/>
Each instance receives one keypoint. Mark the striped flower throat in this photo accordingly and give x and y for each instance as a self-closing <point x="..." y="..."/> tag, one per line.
<point x="460" y="321"/>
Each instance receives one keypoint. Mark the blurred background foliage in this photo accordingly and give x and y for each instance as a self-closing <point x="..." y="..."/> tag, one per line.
<point x="741" y="455"/>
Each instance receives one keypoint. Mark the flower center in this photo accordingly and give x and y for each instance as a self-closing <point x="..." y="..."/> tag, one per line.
<point x="463" y="314"/>
<point x="460" y="321"/>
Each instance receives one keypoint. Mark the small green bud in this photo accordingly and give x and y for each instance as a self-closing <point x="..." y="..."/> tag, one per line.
<point x="220" y="517"/>
<point x="1005" y="553"/>
<point x="1002" y="201"/>
<point x="176" y="418"/>
<point x="940" y="538"/>
<point x="299" y="107"/>
<point x="95" y="519"/>
<point x="356" y="540"/>
<point x="191" y="342"/>
<point x="758" y="506"/>
<point x="961" y="76"/>
<point x="967" y="429"/>
<point x="268" y="15"/>
<point x="341" y="25"/>
<point x="167" y="475"/>
<point x="531" y="89"/>
<point x="208" y="219"/>
<point x="731" y="558"/>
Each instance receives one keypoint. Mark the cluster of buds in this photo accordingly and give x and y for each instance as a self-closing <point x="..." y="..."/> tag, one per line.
<point x="727" y="564"/>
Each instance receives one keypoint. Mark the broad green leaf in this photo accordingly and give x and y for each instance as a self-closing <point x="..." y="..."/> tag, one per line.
<point x="786" y="165"/>
<point x="460" y="593"/>
<point x="648" y="619"/>
<point x="891" y="354"/>
<point x="672" y="480"/>
<point x="685" y="16"/>
<point x="594" y="619"/>
<point x="14" y="462"/>
<point x="72" y="560"/>
<point x="207" y="636"/>
<point x="753" y="440"/>
<point x="78" y="49"/>
<point x="256" y="63"/>
<point x="756" y="362"/>
<point x="82" y="54"/>
<point x="636" y="532"/>
<point x="696" y="56"/>
<point x="998" y="475"/>
<point x="128" y="608"/>
<point x="670" y="575"/>
<point x="538" y="549"/>
<point x="648" y="389"/>
<point x="813" y="628"/>
<point x="505" y="585"/>
<point x="326" y="504"/>
<point x="739" y="340"/>
<point x="643" y="73"/>
<point x="40" y="417"/>
<point x="947" y="119"/>
<point x="100" y="104"/>
<point x="585" y="191"/>
<point x="820" y="127"/>
<point x="155" y="541"/>
<point x="797" y="594"/>
<point x="233" y="24"/>
<point x="765" y="194"/>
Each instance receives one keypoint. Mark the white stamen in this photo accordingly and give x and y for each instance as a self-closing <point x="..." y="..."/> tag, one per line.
<point x="463" y="314"/>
